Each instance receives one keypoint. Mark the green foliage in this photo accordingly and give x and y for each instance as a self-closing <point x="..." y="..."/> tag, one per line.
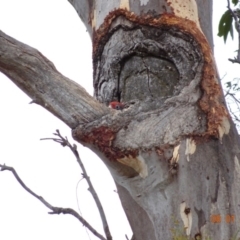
<point x="235" y="2"/>
<point x="233" y="86"/>
<point x="225" y="25"/>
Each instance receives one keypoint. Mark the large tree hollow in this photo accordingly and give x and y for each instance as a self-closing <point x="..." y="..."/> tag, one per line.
<point x="147" y="77"/>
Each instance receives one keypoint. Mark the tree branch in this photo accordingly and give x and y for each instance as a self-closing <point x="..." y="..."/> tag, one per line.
<point x="55" y="210"/>
<point x="64" y="142"/>
<point x="40" y="80"/>
<point x="234" y="60"/>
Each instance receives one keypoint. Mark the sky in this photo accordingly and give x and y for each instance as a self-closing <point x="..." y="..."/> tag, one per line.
<point x="54" y="28"/>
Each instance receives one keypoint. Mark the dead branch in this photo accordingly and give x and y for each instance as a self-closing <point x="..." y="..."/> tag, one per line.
<point x="64" y="142"/>
<point x="55" y="210"/>
<point x="234" y="60"/>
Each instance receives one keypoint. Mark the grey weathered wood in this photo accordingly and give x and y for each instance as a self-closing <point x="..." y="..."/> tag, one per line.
<point x="157" y="64"/>
<point x="40" y="80"/>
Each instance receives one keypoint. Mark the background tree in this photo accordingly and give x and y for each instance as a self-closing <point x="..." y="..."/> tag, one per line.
<point x="228" y="23"/>
<point x="166" y="149"/>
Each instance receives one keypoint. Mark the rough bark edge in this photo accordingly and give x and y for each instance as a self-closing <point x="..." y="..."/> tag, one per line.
<point x="210" y="103"/>
<point x="103" y="137"/>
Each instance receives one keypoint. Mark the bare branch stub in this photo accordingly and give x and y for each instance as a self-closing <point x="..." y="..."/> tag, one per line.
<point x="54" y="210"/>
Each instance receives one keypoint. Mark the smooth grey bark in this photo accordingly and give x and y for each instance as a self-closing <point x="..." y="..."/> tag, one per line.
<point x="85" y="10"/>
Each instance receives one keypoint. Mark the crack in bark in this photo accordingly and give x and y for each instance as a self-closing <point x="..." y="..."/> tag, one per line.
<point x="148" y="78"/>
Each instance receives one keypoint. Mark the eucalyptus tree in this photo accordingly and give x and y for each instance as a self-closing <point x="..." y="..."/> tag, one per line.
<point x="172" y="150"/>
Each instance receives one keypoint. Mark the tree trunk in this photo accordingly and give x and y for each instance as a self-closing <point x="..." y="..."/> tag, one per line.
<point x="173" y="151"/>
<point x="176" y="132"/>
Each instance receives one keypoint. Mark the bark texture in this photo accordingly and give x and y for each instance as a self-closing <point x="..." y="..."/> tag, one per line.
<point x="173" y="151"/>
<point x="39" y="79"/>
<point x="176" y="133"/>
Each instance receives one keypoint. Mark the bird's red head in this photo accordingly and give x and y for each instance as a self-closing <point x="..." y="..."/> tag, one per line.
<point x="116" y="105"/>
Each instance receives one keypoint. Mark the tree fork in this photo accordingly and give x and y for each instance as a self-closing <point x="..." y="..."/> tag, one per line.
<point x="173" y="153"/>
<point x="173" y="138"/>
<point x="182" y="58"/>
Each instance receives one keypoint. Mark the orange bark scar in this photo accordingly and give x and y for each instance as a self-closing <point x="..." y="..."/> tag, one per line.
<point x="103" y="137"/>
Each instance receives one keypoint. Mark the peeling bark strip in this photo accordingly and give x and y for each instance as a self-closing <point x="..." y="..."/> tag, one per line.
<point x="177" y="45"/>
